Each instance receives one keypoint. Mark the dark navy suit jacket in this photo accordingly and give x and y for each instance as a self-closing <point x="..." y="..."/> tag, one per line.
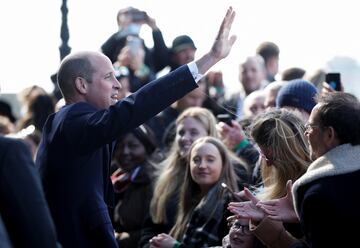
<point x="75" y="154"/>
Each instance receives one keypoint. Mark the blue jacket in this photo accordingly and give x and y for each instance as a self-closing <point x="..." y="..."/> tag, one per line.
<point x="75" y="153"/>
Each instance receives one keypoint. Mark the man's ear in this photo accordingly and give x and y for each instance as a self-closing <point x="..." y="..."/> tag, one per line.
<point x="81" y="85"/>
<point x="331" y="138"/>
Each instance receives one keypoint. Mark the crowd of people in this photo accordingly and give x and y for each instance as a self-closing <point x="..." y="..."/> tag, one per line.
<point x="129" y="159"/>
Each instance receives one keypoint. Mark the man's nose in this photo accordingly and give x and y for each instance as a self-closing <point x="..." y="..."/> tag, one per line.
<point x="117" y="84"/>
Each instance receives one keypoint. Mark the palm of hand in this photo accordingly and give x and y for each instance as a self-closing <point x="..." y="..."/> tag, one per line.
<point x="222" y="45"/>
<point x="247" y="210"/>
<point x="280" y="209"/>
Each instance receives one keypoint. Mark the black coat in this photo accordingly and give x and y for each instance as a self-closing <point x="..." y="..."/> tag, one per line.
<point x="132" y="206"/>
<point x="75" y="154"/>
<point x="326" y="199"/>
<point x="23" y="207"/>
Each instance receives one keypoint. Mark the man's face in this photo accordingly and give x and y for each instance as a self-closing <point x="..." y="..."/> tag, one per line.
<point x="251" y="75"/>
<point x="270" y="99"/>
<point x="103" y="91"/>
<point x="272" y="66"/>
<point x="315" y="135"/>
<point x="184" y="56"/>
<point x="254" y="107"/>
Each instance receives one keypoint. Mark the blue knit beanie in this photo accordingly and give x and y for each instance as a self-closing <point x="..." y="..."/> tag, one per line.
<point x="297" y="93"/>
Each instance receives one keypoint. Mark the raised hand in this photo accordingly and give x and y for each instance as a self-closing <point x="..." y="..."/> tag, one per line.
<point x="281" y="209"/>
<point x="222" y="44"/>
<point x="231" y="136"/>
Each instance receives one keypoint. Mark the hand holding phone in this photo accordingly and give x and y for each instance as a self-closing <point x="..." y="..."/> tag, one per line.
<point x="226" y="118"/>
<point x="134" y="43"/>
<point x="333" y="80"/>
<point x="138" y="16"/>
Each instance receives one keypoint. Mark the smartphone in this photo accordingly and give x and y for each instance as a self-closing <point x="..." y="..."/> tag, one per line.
<point x="138" y="16"/>
<point x="134" y="43"/>
<point x="226" y="118"/>
<point x="333" y="79"/>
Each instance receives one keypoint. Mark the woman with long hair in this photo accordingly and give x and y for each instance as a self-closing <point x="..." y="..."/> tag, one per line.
<point x="283" y="148"/>
<point x="193" y="123"/>
<point x="201" y="219"/>
<point x="285" y="156"/>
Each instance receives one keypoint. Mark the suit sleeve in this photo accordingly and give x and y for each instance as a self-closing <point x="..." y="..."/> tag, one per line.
<point x="23" y="206"/>
<point x="93" y="129"/>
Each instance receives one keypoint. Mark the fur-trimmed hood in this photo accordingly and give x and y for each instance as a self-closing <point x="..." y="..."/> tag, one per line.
<point x="340" y="160"/>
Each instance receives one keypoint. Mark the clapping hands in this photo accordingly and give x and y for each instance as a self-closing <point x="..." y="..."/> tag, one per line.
<point x="281" y="209"/>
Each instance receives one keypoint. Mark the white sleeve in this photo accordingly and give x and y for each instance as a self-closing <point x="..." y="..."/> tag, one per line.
<point x="194" y="71"/>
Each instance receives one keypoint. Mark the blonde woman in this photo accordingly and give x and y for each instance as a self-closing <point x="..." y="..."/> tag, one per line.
<point x="285" y="156"/>
<point x="193" y="123"/>
<point x="201" y="219"/>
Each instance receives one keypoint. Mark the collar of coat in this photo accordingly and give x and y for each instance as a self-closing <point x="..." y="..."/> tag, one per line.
<point x="340" y="160"/>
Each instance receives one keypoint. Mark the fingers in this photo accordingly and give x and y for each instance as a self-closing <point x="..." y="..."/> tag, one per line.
<point x="268" y="209"/>
<point x="240" y="213"/>
<point x="243" y="205"/>
<point x="232" y="40"/>
<point x="250" y="196"/>
<point x="229" y="20"/>
<point x="224" y="126"/>
<point x="231" y="218"/>
<point x="289" y="187"/>
<point x="267" y="203"/>
<point x="241" y="196"/>
<point x="226" y="23"/>
<point x="274" y="217"/>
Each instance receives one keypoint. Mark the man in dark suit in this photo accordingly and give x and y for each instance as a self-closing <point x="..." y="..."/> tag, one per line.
<point x="76" y="148"/>
<point x="23" y="209"/>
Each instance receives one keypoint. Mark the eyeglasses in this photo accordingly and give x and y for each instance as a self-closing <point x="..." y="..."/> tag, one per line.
<point x="244" y="229"/>
<point x="310" y="126"/>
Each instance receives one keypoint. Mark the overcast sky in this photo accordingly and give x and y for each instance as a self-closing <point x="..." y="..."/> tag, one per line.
<point x="309" y="33"/>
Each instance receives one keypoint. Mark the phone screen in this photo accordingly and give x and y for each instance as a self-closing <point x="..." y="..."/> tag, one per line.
<point x="333" y="79"/>
<point x="134" y="43"/>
